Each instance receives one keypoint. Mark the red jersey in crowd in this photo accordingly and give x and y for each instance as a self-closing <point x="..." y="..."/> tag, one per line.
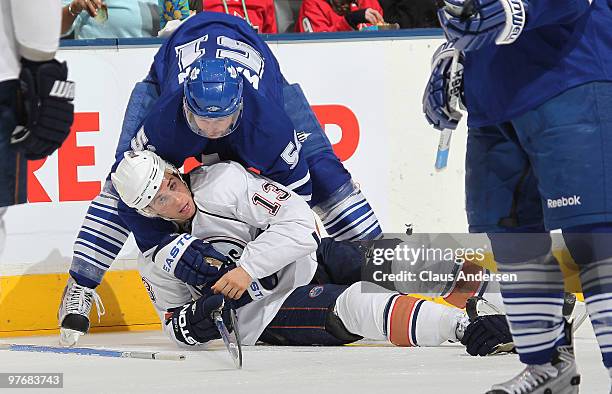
<point x="260" y="13"/>
<point x="319" y="16"/>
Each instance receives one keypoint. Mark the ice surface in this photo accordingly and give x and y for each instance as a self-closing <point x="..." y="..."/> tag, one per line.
<point x="366" y="367"/>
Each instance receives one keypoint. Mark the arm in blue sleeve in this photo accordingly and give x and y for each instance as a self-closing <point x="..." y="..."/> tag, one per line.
<point x="550" y="12"/>
<point x="142" y="99"/>
<point x="148" y="232"/>
<point x="297" y="179"/>
<point x="290" y="169"/>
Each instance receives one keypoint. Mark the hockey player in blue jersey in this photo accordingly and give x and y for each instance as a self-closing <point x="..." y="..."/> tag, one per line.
<point x="537" y="85"/>
<point x="215" y="92"/>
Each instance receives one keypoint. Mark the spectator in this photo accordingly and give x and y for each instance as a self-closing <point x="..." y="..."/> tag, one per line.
<point x="410" y="14"/>
<point x="338" y="15"/>
<point x="258" y="13"/>
<point x="110" y="18"/>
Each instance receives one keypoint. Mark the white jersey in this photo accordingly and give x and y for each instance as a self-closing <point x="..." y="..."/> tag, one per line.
<point x="30" y="29"/>
<point x="260" y="225"/>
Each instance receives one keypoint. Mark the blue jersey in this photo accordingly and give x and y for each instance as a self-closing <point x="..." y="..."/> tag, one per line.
<point x="566" y="43"/>
<point x="265" y="139"/>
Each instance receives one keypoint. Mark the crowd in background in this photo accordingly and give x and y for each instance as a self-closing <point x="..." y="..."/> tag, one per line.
<point x="86" y="19"/>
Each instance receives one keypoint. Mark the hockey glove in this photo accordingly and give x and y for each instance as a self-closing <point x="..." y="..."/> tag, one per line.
<point x="440" y="98"/>
<point x="190" y="259"/>
<point x="476" y="23"/>
<point x="488" y="335"/>
<point x="46" y="110"/>
<point x="193" y="323"/>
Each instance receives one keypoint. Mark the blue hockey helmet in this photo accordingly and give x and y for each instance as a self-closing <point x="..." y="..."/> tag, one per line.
<point x="212" y="100"/>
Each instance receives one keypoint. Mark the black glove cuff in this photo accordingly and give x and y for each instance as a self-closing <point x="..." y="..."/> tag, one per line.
<point x="356" y="17"/>
<point x="34" y="66"/>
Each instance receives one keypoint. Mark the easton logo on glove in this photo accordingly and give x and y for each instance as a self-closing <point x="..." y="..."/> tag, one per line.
<point x="176" y="251"/>
<point x="190" y="259"/>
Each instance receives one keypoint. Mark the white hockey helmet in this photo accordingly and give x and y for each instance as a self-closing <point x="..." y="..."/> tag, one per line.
<point x="138" y="178"/>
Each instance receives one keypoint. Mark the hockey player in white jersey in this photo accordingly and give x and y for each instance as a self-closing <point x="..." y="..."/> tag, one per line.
<point x="36" y="108"/>
<point x="268" y="243"/>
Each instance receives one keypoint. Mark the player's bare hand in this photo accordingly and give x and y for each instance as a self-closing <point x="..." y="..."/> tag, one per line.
<point x="233" y="284"/>
<point x="373" y="16"/>
<point x="91" y="6"/>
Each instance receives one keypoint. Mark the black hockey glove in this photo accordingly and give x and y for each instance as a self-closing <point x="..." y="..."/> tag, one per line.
<point x="190" y="259"/>
<point x="488" y="335"/>
<point x="194" y="324"/>
<point x="46" y="110"/>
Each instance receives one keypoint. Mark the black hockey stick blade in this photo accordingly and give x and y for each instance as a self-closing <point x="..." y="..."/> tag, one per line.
<point x="231" y="340"/>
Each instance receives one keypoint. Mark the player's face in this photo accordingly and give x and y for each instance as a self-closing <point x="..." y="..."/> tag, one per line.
<point x="174" y="200"/>
<point x="215" y="127"/>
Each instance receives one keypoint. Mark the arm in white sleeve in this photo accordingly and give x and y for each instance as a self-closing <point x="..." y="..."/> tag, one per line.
<point x="37" y="27"/>
<point x="288" y="224"/>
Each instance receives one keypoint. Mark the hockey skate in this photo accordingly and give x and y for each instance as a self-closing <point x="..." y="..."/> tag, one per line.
<point x="560" y="376"/>
<point x="74" y="311"/>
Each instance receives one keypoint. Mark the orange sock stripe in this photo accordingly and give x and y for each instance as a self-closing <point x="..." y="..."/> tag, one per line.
<point x="464" y="289"/>
<point x="400" y="320"/>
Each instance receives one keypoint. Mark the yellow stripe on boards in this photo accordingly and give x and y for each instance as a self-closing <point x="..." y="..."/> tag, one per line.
<point x="29" y="304"/>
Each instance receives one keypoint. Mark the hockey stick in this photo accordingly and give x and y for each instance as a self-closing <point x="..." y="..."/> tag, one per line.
<point x="85" y="351"/>
<point x="231" y="340"/>
<point x="454" y="90"/>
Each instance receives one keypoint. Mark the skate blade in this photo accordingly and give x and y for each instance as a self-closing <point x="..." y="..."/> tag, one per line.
<point x="578" y="316"/>
<point x="503" y="348"/>
<point x="68" y="337"/>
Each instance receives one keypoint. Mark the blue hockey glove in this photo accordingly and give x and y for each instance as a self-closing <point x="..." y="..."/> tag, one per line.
<point x="45" y="108"/>
<point x="488" y="335"/>
<point x="193" y="323"/>
<point x="190" y="259"/>
<point x="476" y="23"/>
<point x="438" y="98"/>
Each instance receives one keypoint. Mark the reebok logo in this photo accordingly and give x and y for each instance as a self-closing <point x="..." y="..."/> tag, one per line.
<point x="563" y="202"/>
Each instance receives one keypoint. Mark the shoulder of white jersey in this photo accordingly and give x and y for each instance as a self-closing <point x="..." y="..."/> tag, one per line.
<point x="215" y="185"/>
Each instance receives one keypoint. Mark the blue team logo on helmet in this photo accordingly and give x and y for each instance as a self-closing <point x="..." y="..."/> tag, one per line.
<point x="213" y="90"/>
